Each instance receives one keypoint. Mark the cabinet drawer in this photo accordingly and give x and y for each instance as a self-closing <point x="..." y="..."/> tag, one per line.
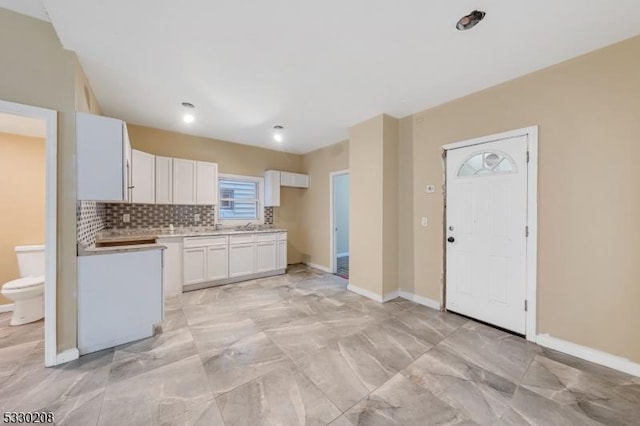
<point x="282" y="236"/>
<point x="244" y="238"/>
<point x="265" y="237"/>
<point x="205" y="241"/>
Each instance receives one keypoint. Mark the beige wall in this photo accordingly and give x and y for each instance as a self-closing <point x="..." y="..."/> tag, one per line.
<point x="235" y="159"/>
<point x="406" y="216"/>
<point x="315" y="200"/>
<point x="390" y="242"/>
<point x="588" y="111"/>
<point x="37" y="71"/>
<point x="85" y="99"/>
<point x="22" y="179"/>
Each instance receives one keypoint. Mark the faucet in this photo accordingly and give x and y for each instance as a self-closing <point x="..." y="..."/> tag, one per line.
<point x="248" y="225"/>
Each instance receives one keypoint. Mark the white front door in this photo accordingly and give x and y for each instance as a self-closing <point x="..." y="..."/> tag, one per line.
<point x="486" y="232"/>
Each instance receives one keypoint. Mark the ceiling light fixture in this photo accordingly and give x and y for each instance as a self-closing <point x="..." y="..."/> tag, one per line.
<point x="470" y="21"/>
<point x="188" y="116"/>
<point x="277" y="134"/>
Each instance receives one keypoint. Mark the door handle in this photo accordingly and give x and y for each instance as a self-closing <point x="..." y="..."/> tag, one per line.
<point x="451" y="239"/>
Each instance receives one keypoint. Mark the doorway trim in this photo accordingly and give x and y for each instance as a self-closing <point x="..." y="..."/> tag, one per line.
<point x="51" y="204"/>
<point x="532" y="217"/>
<point x="333" y="252"/>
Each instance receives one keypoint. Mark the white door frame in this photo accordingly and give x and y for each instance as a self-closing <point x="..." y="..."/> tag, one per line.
<point x="532" y="214"/>
<point x="333" y="251"/>
<point x="51" y="205"/>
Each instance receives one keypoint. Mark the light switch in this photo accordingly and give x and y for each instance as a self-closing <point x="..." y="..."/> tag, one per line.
<point x="431" y="189"/>
<point x="424" y="221"/>
<point x="126" y="218"/>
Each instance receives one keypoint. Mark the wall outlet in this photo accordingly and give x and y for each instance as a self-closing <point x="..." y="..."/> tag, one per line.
<point x="196" y="217"/>
<point x="424" y="221"/>
<point x="126" y="218"/>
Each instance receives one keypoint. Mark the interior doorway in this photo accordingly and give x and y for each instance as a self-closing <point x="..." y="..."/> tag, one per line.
<point x="30" y="135"/>
<point x="339" y="227"/>
<point x="491" y="229"/>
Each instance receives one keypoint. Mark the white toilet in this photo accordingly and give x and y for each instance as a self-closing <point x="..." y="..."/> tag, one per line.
<point x="27" y="292"/>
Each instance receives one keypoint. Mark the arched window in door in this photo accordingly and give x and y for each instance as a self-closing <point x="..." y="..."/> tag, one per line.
<point x="487" y="163"/>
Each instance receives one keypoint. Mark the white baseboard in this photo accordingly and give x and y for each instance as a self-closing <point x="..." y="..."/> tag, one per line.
<point x="6" y="308"/>
<point x="68" y="355"/>
<point x="366" y="293"/>
<point x="603" y="358"/>
<point x="319" y="267"/>
<point x="425" y="301"/>
<point x="391" y="296"/>
<point x="342" y="254"/>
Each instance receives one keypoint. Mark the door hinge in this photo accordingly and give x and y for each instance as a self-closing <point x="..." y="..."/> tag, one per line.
<point x="526" y="306"/>
<point x="527" y="156"/>
<point x="526" y="231"/>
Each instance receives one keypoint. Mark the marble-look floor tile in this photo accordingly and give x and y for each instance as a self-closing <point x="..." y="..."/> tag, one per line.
<point x="281" y="397"/>
<point x="429" y="324"/>
<point x="11" y="357"/>
<point x="401" y="402"/>
<point x="222" y="332"/>
<point x="341" y="421"/>
<point x="200" y="297"/>
<point x="302" y="337"/>
<point x="173" y="319"/>
<point x="144" y="355"/>
<point x="79" y="410"/>
<point x="538" y="410"/>
<point x="373" y="308"/>
<point x="313" y="304"/>
<point x="242" y="362"/>
<point x="346" y="323"/>
<point x="175" y="394"/>
<point x="501" y="353"/>
<point x="477" y="393"/>
<point x="274" y="315"/>
<point x="16" y="334"/>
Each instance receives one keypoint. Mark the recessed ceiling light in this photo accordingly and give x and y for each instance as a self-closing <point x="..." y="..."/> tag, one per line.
<point x="277" y="134"/>
<point x="470" y="21"/>
<point x="188" y="116"/>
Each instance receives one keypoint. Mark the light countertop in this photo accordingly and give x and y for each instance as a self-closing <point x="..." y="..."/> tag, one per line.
<point x="92" y="251"/>
<point x="116" y="235"/>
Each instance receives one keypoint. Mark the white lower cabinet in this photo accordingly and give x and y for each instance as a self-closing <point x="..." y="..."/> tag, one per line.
<point x="241" y="259"/>
<point x="266" y="256"/>
<point x="172" y="271"/>
<point x="217" y="262"/>
<point x="195" y="265"/>
<point x="282" y="254"/>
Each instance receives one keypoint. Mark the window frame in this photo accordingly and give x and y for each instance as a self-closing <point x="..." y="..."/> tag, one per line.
<point x="256" y="179"/>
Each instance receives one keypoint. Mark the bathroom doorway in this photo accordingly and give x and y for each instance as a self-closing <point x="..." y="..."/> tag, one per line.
<point x="339" y="195"/>
<point x="28" y="147"/>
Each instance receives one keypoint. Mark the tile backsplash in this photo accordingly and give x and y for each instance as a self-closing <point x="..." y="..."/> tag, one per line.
<point x="91" y="218"/>
<point x="268" y="215"/>
<point x="158" y="215"/>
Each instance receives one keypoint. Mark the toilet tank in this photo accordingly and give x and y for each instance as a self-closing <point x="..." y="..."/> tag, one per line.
<point x="30" y="260"/>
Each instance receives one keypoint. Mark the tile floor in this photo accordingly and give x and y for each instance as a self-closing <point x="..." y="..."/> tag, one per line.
<point x="300" y="349"/>
<point x="343" y="267"/>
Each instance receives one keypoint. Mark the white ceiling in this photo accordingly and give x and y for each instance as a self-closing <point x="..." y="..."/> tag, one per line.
<point x="315" y="67"/>
<point x="25" y="126"/>
<point x="33" y="8"/>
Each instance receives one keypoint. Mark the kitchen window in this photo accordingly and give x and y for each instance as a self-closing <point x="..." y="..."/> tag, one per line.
<point x="240" y="198"/>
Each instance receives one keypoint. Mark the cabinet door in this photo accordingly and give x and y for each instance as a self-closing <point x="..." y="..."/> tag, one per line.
<point x="282" y="254"/>
<point x="241" y="259"/>
<point x="127" y="162"/>
<point x="184" y="181"/>
<point x="287" y="179"/>
<point x="217" y="262"/>
<point x="302" y="181"/>
<point x="100" y="158"/>
<point x="272" y="188"/>
<point x="206" y="183"/>
<point x="194" y="265"/>
<point x="266" y="257"/>
<point x="164" y="180"/>
<point x="143" y="177"/>
<point x="172" y="271"/>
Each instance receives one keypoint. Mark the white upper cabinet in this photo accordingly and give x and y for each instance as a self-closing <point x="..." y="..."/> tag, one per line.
<point x="164" y="180"/>
<point x="102" y="161"/>
<point x="272" y="188"/>
<point x="206" y="183"/>
<point x="184" y="181"/>
<point x="143" y="180"/>
<point x="294" y="180"/>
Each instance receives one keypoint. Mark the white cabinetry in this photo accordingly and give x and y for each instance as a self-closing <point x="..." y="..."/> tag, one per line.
<point x="242" y="257"/>
<point x="102" y="158"/>
<point x="217" y="262"/>
<point x="164" y="180"/>
<point x="206" y="183"/>
<point x="282" y="250"/>
<point x="172" y="272"/>
<point x="184" y="181"/>
<point x="205" y="259"/>
<point x="272" y="188"/>
<point x="195" y="265"/>
<point x="294" y="180"/>
<point x="266" y="252"/>
<point x="143" y="173"/>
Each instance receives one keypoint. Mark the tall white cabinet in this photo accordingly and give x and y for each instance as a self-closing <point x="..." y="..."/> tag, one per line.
<point x="184" y="181"/>
<point x="143" y="177"/>
<point x="164" y="180"/>
<point x="102" y="158"/>
<point x="206" y="183"/>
